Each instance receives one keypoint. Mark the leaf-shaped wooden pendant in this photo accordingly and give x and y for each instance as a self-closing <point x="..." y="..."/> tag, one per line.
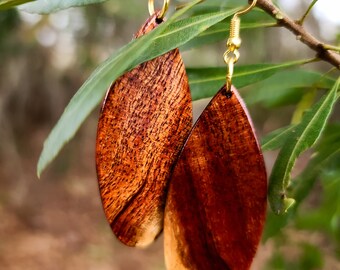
<point x="145" y="120"/>
<point x="216" y="203"/>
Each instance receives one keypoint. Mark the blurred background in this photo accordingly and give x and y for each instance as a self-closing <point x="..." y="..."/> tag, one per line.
<point x="57" y="222"/>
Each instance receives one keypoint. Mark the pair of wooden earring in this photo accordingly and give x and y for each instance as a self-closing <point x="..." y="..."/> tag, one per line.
<point x="206" y="185"/>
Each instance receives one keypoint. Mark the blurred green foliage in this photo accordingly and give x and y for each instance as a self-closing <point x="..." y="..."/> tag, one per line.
<point x="268" y="86"/>
<point x="9" y="21"/>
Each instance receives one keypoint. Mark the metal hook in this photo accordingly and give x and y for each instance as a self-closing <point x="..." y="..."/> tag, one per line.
<point x="232" y="54"/>
<point x="246" y="9"/>
<point x="234" y="41"/>
<point x="151" y="6"/>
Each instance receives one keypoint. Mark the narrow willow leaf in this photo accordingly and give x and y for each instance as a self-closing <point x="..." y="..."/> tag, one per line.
<point x="274" y="224"/>
<point x="329" y="146"/>
<point x="221" y="5"/>
<point x="277" y="138"/>
<point x="182" y="31"/>
<point x="326" y="152"/>
<point x="6" y="4"/>
<point x="214" y="6"/>
<point x="48" y="6"/>
<point x="287" y="87"/>
<point x="307" y="133"/>
<point x="219" y="32"/>
<point x="305" y="103"/>
<point x="205" y="81"/>
<point x="164" y="38"/>
<point x="256" y="19"/>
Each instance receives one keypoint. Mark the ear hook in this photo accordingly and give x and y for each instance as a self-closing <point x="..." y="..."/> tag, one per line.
<point x="151" y="6"/>
<point x="246" y="9"/>
<point x="232" y="54"/>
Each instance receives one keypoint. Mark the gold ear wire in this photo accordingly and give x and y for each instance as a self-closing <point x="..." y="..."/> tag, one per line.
<point x="151" y="5"/>
<point x="232" y="54"/>
<point x="246" y="9"/>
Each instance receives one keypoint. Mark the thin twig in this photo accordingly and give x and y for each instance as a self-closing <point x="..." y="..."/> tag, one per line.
<point x="331" y="47"/>
<point x="307" y="12"/>
<point x="282" y="20"/>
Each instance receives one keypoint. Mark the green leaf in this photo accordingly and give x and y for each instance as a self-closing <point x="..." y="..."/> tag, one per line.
<point x="205" y="82"/>
<point x="165" y="37"/>
<point x="50" y="6"/>
<point x="6" y="4"/>
<point x="182" y="31"/>
<point x="274" y="225"/>
<point x="255" y="19"/>
<point x="214" y="6"/>
<point x="277" y="138"/>
<point x="287" y="87"/>
<point x="307" y="133"/>
<point x="311" y="257"/>
<point x="220" y="32"/>
<point x="221" y="5"/>
<point x="326" y="152"/>
<point x="328" y="147"/>
<point x="305" y="103"/>
<point x="326" y="217"/>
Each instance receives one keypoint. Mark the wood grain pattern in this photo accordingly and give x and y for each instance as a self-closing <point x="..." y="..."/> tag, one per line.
<point x="216" y="203"/>
<point x="145" y="120"/>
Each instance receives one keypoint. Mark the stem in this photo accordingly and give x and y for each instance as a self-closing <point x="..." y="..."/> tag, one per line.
<point x="331" y="48"/>
<point x="307" y="12"/>
<point x="300" y="32"/>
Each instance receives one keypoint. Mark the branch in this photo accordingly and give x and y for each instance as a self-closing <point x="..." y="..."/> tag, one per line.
<point x="282" y="20"/>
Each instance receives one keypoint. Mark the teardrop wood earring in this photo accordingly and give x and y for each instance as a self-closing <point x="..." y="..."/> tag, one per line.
<point x="216" y="204"/>
<point x="144" y="121"/>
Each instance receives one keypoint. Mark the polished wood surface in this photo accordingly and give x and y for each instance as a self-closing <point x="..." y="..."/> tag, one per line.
<point x="145" y="120"/>
<point x="216" y="202"/>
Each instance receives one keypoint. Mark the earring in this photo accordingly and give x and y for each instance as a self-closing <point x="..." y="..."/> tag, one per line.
<point x="216" y="202"/>
<point x="145" y="118"/>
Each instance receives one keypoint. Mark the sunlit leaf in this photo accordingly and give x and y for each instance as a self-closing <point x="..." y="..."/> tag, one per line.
<point x="326" y="152"/>
<point x="277" y="138"/>
<point x="287" y="87"/>
<point x="307" y="133"/>
<point x="304" y="104"/>
<point x="164" y="38"/>
<point x="214" y="6"/>
<point x="50" y="6"/>
<point x="324" y="166"/>
<point x="204" y="82"/>
<point x="6" y="4"/>
<point x="220" y="32"/>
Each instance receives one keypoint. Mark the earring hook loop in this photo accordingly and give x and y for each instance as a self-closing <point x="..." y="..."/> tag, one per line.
<point x="151" y="5"/>
<point x="232" y="54"/>
<point x="246" y="9"/>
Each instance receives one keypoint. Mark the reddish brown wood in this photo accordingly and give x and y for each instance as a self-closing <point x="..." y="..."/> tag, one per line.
<point x="216" y="203"/>
<point x="145" y="119"/>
